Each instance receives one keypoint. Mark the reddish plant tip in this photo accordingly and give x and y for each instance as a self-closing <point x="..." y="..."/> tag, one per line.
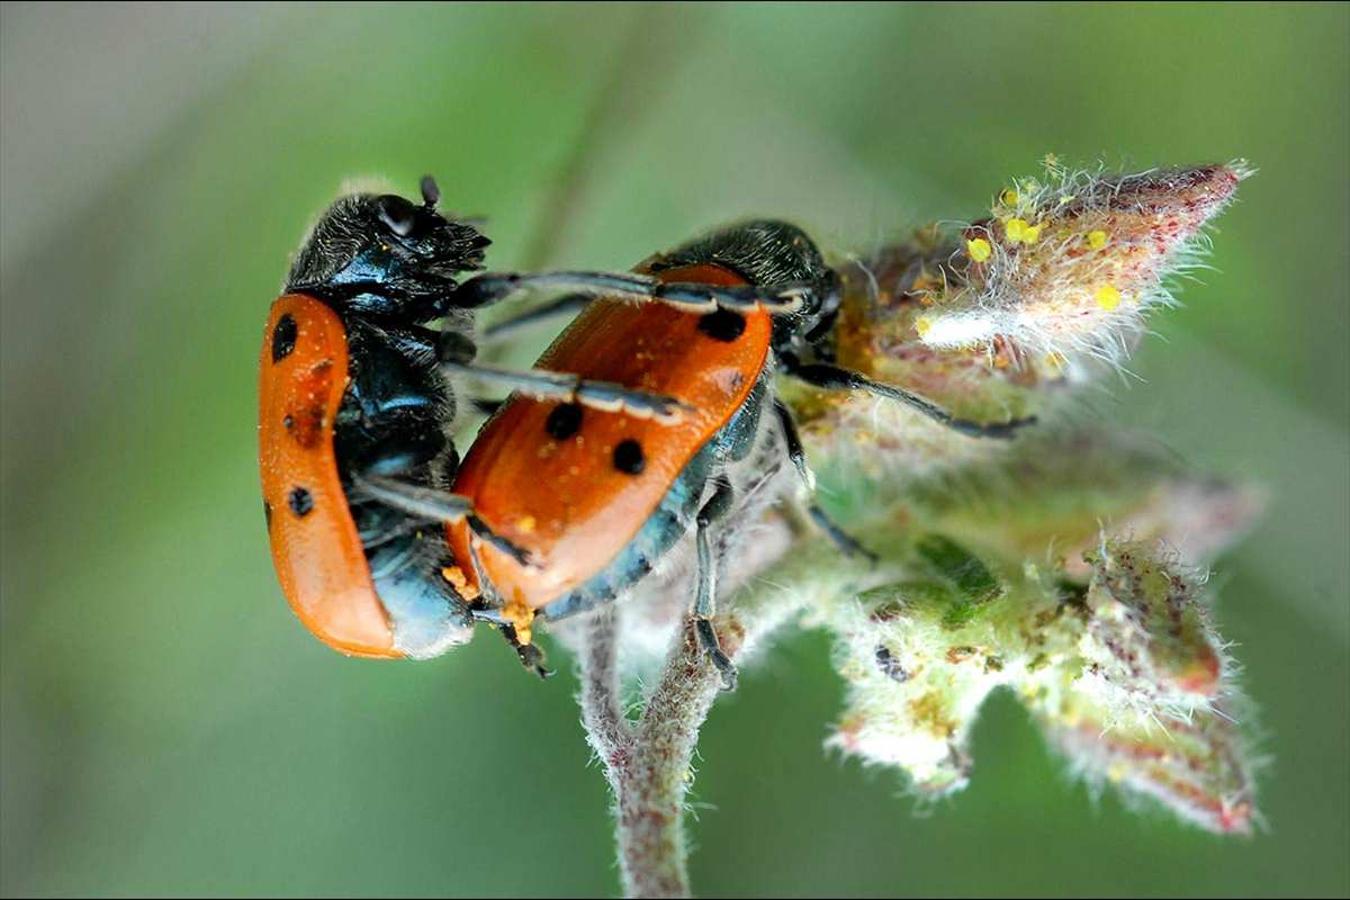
<point x="1191" y="770"/>
<point x="1193" y="188"/>
<point x="1182" y="200"/>
<point x="1071" y="264"/>
<point x="1203" y="677"/>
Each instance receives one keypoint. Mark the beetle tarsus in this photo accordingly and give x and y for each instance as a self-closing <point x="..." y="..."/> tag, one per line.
<point x="707" y="637"/>
<point x="531" y="657"/>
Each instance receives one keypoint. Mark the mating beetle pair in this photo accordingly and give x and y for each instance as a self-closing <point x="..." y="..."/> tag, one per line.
<point x="627" y="435"/>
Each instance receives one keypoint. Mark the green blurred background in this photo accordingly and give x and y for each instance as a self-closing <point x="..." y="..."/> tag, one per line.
<point x="168" y="726"/>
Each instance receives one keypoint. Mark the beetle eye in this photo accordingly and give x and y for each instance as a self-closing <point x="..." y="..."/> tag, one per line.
<point x="398" y="214"/>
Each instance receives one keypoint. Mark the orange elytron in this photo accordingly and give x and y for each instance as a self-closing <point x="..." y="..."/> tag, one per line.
<point x="317" y="551"/>
<point x="595" y="497"/>
<point x="574" y="486"/>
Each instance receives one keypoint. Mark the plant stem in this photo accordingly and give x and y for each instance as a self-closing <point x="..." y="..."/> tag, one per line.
<point x="647" y="764"/>
<point x="647" y="761"/>
<point x="652" y="788"/>
<point x="607" y="729"/>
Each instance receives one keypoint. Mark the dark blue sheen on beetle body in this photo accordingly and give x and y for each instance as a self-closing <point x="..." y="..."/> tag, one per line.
<point x="374" y="266"/>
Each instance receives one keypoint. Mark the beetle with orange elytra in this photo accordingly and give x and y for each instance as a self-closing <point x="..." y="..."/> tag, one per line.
<point x="596" y="497"/>
<point x="354" y="409"/>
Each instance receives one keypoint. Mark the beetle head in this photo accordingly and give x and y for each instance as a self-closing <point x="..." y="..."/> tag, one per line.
<point x="386" y="256"/>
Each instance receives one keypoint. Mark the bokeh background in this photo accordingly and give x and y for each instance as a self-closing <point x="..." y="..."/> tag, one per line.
<point x="168" y="726"/>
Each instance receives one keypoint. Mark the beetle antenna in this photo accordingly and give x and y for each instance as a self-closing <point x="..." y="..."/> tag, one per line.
<point x="431" y="193"/>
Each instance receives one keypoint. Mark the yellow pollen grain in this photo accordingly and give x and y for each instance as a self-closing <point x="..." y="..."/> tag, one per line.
<point x="1019" y="230"/>
<point x="1009" y="197"/>
<point x="526" y="524"/>
<point x="979" y="249"/>
<point x="1108" y="297"/>
<point x="1097" y="239"/>
<point x="454" y="576"/>
<point x="518" y="614"/>
<point x="923" y="324"/>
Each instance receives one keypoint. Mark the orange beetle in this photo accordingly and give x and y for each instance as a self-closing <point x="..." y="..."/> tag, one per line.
<point x="317" y="549"/>
<point x="595" y="497"/>
<point x="354" y="416"/>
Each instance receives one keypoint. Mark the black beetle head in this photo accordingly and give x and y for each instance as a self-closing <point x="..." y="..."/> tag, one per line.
<point x="383" y="255"/>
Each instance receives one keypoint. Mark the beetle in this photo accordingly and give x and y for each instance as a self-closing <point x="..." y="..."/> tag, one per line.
<point x="356" y="409"/>
<point x="597" y="498"/>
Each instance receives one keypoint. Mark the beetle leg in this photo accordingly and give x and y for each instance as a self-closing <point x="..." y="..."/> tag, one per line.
<point x="841" y="538"/>
<point x="705" y="603"/>
<point x="794" y="444"/>
<point x="492" y="612"/>
<point x="415" y="500"/>
<point x="603" y="395"/>
<point x="831" y="377"/>
<point x="436" y="506"/>
<point x="567" y="305"/>
<point x="688" y="296"/>
<point x="486" y="405"/>
<point x="847" y="543"/>
<point x="531" y="657"/>
<point x="378" y="537"/>
<point x="456" y="353"/>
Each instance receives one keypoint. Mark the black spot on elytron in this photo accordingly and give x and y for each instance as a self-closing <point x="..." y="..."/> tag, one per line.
<point x="722" y="325"/>
<point x="288" y="422"/>
<point x="283" y="337"/>
<point x="564" y="421"/>
<point x="300" y="501"/>
<point x="267" y="513"/>
<point x="628" y="457"/>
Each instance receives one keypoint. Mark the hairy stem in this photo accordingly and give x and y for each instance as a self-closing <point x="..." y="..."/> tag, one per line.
<point x="647" y="761"/>
<point x="609" y="732"/>
<point x="650" y="790"/>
